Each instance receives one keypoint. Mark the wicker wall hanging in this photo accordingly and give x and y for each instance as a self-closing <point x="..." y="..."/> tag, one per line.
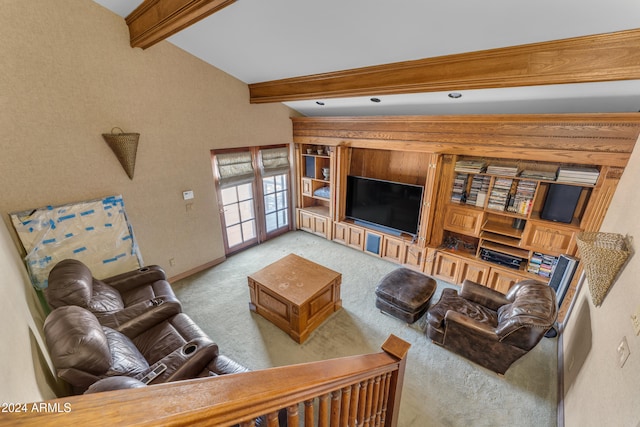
<point x="125" y="147"/>
<point x="603" y="255"/>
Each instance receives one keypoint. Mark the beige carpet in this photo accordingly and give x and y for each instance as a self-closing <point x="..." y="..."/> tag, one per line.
<point x="440" y="389"/>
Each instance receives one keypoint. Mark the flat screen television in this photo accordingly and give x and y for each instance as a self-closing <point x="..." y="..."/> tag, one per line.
<point x="393" y="206"/>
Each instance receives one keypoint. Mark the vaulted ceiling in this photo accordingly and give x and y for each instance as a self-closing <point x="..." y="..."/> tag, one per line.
<point x="333" y="57"/>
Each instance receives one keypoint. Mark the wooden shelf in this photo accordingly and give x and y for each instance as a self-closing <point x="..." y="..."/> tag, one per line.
<point x="502" y="229"/>
<point x="575" y="222"/>
<point x="500" y="238"/>
<point x="324" y="156"/>
<point x="506" y="213"/>
<point x="317" y="210"/>
<point x="462" y="254"/>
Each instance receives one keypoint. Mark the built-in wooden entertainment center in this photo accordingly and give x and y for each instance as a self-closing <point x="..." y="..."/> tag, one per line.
<point x="458" y="228"/>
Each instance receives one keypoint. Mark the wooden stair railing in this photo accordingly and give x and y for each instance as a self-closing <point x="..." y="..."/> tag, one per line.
<point x="361" y="390"/>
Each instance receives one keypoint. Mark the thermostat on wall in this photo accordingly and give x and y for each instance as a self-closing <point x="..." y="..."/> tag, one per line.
<point x="187" y="195"/>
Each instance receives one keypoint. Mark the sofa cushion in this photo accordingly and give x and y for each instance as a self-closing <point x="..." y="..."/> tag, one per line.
<point x="125" y="358"/>
<point x="450" y="300"/>
<point x="105" y="298"/>
<point x="145" y="293"/>
<point x="165" y="337"/>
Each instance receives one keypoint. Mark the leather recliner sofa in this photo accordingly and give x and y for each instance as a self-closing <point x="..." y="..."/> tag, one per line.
<point x="490" y="328"/>
<point x="127" y="329"/>
<point x="84" y="351"/>
<point x="119" y="301"/>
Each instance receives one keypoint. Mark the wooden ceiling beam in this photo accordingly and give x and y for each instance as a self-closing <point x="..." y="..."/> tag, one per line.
<point x="155" y="20"/>
<point x="596" y="58"/>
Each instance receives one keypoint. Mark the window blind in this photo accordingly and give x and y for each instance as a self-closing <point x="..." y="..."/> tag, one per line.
<point x="234" y="168"/>
<point x="275" y="161"/>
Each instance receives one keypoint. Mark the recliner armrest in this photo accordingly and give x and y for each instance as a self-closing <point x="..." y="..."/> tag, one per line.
<point x="187" y="361"/>
<point x="132" y="279"/>
<point x="138" y="318"/>
<point x="114" y="383"/>
<point x="222" y="365"/>
<point x="483" y="295"/>
<point x="460" y="322"/>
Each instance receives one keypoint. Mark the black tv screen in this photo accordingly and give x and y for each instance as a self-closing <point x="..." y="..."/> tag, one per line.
<point x="391" y="205"/>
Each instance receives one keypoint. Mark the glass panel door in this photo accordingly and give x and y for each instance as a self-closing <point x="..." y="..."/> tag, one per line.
<point x="276" y="203"/>
<point x="239" y="216"/>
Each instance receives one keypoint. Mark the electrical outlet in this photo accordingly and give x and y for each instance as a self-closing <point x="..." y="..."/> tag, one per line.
<point x="623" y="352"/>
<point x="635" y="320"/>
<point x="172" y="262"/>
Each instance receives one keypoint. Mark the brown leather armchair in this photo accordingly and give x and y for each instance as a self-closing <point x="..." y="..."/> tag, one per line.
<point x="490" y="328"/>
<point x="118" y="302"/>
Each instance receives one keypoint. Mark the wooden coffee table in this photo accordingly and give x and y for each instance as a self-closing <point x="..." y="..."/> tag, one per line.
<point x="295" y="294"/>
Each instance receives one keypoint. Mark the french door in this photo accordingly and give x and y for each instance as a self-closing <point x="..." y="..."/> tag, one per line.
<point x="253" y="187"/>
<point x="238" y="216"/>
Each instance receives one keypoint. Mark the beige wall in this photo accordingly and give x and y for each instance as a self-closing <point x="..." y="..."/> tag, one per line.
<point x="597" y="391"/>
<point x="21" y="316"/>
<point x="67" y="75"/>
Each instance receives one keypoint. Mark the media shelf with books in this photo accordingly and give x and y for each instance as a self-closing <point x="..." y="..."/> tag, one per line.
<point x="511" y="210"/>
<point x="519" y="189"/>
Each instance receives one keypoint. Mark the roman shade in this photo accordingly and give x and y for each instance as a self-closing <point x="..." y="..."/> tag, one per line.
<point x="275" y="161"/>
<point x="234" y="168"/>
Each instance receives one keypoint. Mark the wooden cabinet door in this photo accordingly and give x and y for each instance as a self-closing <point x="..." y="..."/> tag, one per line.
<point x="340" y="230"/>
<point x="305" y="221"/>
<point x="321" y="226"/>
<point x="355" y="237"/>
<point x="414" y="257"/>
<point x="315" y="224"/>
<point x="463" y="220"/>
<point x="474" y="271"/>
<point x="393" y="250"/>
<point x="549" y="238"/>
<point x="501" y="280"/>
<point x="446" y="267"/>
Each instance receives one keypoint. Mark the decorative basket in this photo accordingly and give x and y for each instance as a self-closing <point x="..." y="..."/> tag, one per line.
<point x="125" y="147"/>
<point x="603" y="255"/>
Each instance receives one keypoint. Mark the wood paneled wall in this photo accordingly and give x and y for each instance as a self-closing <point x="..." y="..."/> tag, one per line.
<point x="399" y="166"/>
<point x="590" y="139"/>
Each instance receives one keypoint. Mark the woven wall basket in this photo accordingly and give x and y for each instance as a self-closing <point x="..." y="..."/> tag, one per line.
<point x="603" y="255"/>
<point x="125" y="147"/>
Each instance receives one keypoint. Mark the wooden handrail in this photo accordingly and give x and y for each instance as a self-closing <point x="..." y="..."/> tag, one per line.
<point x="354" y="390"/>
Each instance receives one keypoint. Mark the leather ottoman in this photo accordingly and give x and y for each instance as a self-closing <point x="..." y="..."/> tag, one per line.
<point x="405" y="294"/>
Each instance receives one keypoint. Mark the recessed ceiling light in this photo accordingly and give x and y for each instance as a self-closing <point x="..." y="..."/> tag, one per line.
<point x="319" y="102"/>
<point x="455" y="95"/>
<point x="375" y="99"/>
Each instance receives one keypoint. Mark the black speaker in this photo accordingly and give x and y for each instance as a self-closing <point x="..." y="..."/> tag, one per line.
<point x="561" y="202"/>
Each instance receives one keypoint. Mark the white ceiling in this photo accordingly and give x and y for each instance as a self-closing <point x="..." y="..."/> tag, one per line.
<point x="259" y="40"/>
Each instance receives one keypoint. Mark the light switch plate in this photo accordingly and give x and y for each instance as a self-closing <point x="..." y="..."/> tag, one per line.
<point x="623" y="352"/>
